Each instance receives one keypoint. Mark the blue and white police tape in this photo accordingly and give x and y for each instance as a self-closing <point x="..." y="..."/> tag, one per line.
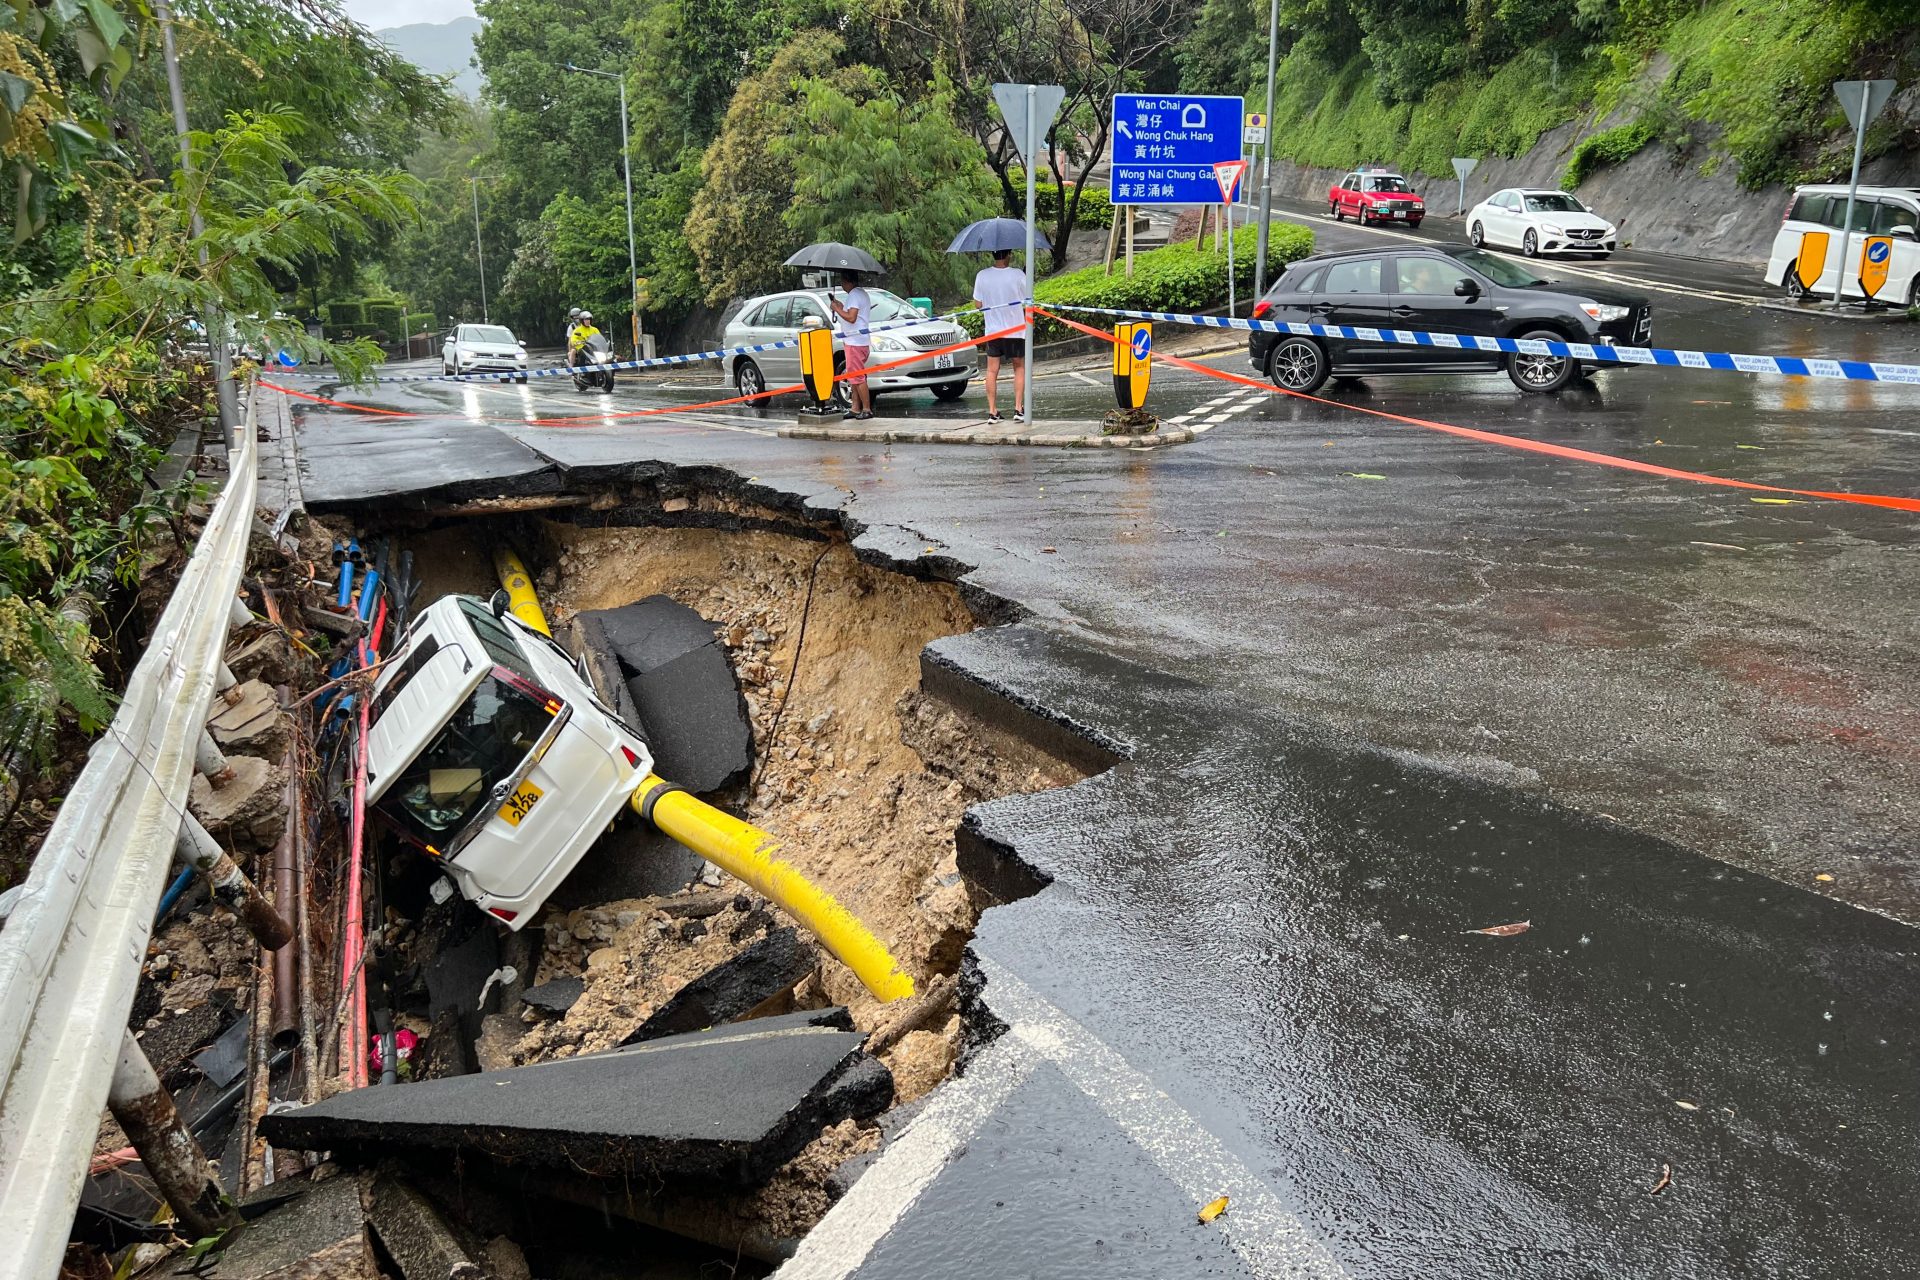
<point x="657" y="362"/>
<point x="1791" y="366"/>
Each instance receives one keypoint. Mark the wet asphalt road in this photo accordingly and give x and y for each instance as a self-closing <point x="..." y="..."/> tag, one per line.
<point x="1354" y="705"/>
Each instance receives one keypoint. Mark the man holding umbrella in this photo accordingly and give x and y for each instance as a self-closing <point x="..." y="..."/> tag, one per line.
<point x="850" y="313"/>
<point x="1001" y="291"/>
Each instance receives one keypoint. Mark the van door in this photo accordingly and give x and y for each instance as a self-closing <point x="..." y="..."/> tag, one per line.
<point x="1900" y="220"/>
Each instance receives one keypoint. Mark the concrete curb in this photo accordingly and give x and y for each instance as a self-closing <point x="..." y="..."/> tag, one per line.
<point x="1826" y="311"/>
<point x="1164" y="436"/>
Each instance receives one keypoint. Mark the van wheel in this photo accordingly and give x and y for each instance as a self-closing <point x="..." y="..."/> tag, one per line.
<point x="1298" y="365"/>
<point x="1478" y="235"/>
<point x="1791" y="282"/>
<point x="1541" y="374"/>
<point x="1913" y="293"/>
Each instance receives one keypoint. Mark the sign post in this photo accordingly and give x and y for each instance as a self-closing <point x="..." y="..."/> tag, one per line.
<point x="1028" y="110"/>
<point x="1461" y="168"/>
<point x="1862" y="100"/>
<point x="1227" y="175"/>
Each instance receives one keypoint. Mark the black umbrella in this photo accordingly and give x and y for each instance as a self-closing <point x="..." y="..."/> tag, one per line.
<point x="834" y="256"/>
<point x="994" y="235"/>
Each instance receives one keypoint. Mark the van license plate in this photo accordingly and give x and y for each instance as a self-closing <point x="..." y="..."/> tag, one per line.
<point x="520" y="803"/>
<point x="943" y="362"/>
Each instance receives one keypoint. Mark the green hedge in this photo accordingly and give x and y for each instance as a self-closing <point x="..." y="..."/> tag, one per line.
<point x="1096" y="210"/>
<point x="421" y="321"/>
<point x="386" y="315"/>
<point x="345" y="315"/>
<point x="1176" y="278"/>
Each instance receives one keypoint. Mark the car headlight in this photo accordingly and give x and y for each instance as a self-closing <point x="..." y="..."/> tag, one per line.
<point x="1552" y="230"/>
<point x="887" y="342"/>
<point x="1605" y="314"/>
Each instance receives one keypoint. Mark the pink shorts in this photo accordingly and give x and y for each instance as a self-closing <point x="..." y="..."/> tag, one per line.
<point x="856" y="364"/>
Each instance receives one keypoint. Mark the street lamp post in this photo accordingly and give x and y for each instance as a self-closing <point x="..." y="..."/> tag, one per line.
<point x="1266" y="160"/>
<point x="480" y="254"/>
<point x="626" y="170"/>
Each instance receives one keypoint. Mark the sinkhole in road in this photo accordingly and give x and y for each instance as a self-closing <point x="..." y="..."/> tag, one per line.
<point x="863" y="775"/>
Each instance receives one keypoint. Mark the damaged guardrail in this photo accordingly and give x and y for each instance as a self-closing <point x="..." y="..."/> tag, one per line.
<point x="71" y="951"/>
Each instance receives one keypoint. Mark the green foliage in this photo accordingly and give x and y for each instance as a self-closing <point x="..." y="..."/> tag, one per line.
<point x="735" y="225"/>
<point x="1608" y="147"/>
<point x="421" y="322"/>
<point x="896" y="178"/>
<point x="55" y="62"/>
<point x="385" y="316"/>
<point x="1096" y="208"/>
<point x="346" y="315"/>
<point x="1176" y="278"/>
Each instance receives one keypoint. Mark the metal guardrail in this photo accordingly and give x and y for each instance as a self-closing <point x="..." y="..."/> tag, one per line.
<point x="71" y="951"/>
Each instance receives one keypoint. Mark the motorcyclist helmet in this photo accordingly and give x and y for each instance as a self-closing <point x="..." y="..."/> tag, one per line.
<point x="573" y="314"/>
<point x="586" y="317"/>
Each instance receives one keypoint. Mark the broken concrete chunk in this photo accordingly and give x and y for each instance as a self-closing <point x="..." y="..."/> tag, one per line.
<point x="683" y="687"/>
<point x="253" y="725"/>
<point x="248" y="810"/>
<point x="318" y="1236"/>
<point x="415" y="1237"/>
<point x="556" y="996"/>
<point x="731" y="989"/>
<point x="721" y="1108"/>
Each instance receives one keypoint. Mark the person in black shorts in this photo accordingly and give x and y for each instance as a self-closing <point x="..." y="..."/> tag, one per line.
<point x="1002" y="292"/>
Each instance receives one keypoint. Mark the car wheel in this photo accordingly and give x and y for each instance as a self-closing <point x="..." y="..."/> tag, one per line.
<point x="1530" y="244"/>
<point x="1413" y="224"/>
<point x="748" y="379"/>
<point x="1333" y="210"/>
<point x="1478" y="235"/>
<point x="1298" y="365"/>
<point x="948" y="392"/>
<point x="1541" y="374"/>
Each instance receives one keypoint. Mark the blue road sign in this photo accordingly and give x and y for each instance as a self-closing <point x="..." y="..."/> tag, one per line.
<point x="1165" y="146"/>
<point x="1879" y="251"/>
<point x="1142" y="343"/>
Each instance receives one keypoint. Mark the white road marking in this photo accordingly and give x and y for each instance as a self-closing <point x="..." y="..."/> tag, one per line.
<point x="1268" y="1239"/>
<point x="876" y="1203"/>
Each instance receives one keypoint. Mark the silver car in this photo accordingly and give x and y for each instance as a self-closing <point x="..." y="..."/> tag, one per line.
<point x="781" y="316"/>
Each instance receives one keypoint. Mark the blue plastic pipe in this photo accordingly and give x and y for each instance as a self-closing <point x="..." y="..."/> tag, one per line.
<point x="172" y="895"/>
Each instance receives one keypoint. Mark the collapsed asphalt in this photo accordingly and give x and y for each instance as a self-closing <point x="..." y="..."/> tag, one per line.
<point x="1376" y="641"/>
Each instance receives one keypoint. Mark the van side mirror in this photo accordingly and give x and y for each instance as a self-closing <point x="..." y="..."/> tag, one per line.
<point x="1906" y="233"/>
<point x="501" y="603"/>
<point x="1466" y="289"/>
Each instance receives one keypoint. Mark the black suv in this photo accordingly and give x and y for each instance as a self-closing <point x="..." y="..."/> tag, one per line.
<point x="1445" y="289"/>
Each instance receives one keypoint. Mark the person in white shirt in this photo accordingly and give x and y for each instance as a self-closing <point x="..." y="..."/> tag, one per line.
<point x="850" y="312"/>
<point x="1001" y="290"/>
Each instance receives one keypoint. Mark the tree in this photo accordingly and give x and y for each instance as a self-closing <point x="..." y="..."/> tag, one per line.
<point x="896" y="178"/>
<point x="735" y="227"/>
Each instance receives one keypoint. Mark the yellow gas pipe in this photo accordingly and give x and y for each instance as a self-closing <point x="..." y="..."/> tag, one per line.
<point x="739" y="848"/>
<point x="521" y="600"/>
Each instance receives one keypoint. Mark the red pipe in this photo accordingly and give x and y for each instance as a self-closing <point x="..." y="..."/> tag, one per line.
<point x="353" y="973"/>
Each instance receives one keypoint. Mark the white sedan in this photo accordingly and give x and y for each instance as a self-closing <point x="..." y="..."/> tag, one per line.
<point x="484" y="348"/>
<point x="1537" y="222"/>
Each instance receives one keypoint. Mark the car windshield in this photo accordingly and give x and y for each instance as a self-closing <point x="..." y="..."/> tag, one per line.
<point x="888" y="306"/>
<point x="448" y="784"/>
<point x="1554" y="202"/>
<point x="488" y="333"/>
<point x="1497" y="269"/>
<point x="1387" y="182"/>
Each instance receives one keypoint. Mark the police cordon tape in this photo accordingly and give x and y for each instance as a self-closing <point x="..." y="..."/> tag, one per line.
<point x="602" y="419"/>
<point x="656" y="362"/>
<point x="1893" y="502"/>
<point x="1730" y="362"/>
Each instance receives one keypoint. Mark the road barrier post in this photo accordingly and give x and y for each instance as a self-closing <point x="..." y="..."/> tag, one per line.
<point x="1132" y="363"/>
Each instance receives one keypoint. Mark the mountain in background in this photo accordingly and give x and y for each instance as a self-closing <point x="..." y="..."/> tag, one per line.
<point x="439" y="48"/>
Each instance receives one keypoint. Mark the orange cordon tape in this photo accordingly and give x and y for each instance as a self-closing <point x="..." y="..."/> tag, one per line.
<point x="1515" y="442"/>
<point x="601" y="419"/>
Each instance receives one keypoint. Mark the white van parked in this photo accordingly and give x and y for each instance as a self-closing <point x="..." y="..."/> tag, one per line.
<point x="1877" y="211"/>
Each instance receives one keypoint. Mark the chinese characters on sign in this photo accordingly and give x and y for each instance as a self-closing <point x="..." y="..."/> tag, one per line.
<point x="1165" y="146"/>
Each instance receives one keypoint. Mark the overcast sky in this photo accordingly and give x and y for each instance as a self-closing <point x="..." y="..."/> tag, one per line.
<point x="380" y="14"/>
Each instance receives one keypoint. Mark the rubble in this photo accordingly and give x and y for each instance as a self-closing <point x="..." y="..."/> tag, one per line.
<point x="320" y="1235"/>
<point x="720" y="1108"/>
<point x="248" y="810"/>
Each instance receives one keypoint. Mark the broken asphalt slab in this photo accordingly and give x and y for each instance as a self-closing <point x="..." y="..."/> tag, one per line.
<point x="715" y="1108"/>
<point x="354" y="458"/>
<point x="733" y="988"/>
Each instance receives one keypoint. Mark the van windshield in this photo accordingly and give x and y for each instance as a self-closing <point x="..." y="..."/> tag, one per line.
<point x="450" y="783"/>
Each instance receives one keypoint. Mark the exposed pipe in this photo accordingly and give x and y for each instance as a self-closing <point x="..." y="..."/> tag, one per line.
<point x="285" y="1019"/>
<point x="230" y="884"/>
<point x="518" y="583"/>
<point x="253" y="1150"/>
<point x="748" y="853"/>
<point x="145" y="1110"/>
<point x="309" y="1050"/>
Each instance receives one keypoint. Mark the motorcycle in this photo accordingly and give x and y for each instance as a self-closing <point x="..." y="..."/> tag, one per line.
<point x="593" y="365"/>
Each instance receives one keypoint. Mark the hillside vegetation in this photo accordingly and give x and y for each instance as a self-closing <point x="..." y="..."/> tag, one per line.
<point x="1416" y="82"/>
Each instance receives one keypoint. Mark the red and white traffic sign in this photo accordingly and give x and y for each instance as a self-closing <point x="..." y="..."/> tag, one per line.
<point x="1227" y="173"/>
